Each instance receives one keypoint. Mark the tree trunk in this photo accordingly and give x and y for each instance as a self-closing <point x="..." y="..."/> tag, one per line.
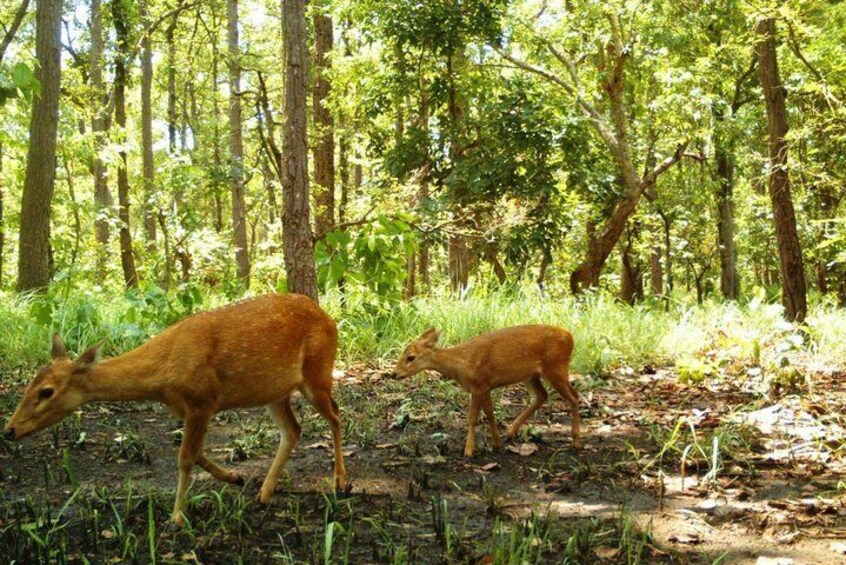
<point x="457" y="250"/>
<point x="324" y="148"/>
<point x="148" y="167"/>
<point x="236" y="149"/>
<point x="127" y="258"/>
<point x="297" y="234"/>
<point x="729" y="284"/>
<point x="216" y="159"/>
<point x="34" y="244"/>
<point x="103" y="200"/>
<point x="170" y="32"/>
<point x="631" y="273"/>
<point x="787" y="238"/>
<point x="2" y="225"/>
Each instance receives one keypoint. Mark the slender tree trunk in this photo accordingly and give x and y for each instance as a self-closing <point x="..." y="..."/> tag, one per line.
<point x="170" y="41"/>
<point x="789" y="249"/>
<point x="298" y="237"/>
<point x="344" y="175"/>
<point x="127" y="257"/>
<point x="324" y="148"/>
<point x="2" y="224"/>
<point x="148" y="167"/>
<point x="458" y="253"/>
<point x="103" y="200"/>
<point x="34" y="244"/>
<point x="423" y="192"/>
<point x="631" y="273"/>
<point x="216" y="158"/>
<point x="236" y="150"/>
<point x="729" y="284"/>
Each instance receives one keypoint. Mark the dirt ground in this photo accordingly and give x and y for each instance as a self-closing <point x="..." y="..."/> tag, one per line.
<point x="769" y="489"/>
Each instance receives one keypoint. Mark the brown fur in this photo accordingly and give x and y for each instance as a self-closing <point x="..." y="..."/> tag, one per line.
<point x="256" y="352"/>
<point x="521" y="354"/>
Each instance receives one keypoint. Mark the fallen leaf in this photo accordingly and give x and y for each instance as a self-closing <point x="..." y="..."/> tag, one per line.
<point x="524" y="449"/>
<point x="318" y="445"/>
<point x="108" y="534"/>
<point x="605" y="552"/>
<point x="689" y="539"/>
<point x="386" y="445"/>
<point x="434" y="460"/>
<point x="774" y="561"/>
<point x="838" y="547"/>
<point x="487" y="467"/>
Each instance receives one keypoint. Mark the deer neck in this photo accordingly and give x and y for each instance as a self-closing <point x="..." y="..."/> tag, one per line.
<point x="131" y="376"/>
<point x="451" y="364"/>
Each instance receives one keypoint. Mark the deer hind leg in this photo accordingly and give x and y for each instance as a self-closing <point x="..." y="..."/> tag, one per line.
<point x="196" y="425"/>
<point x="560" y="380"/>
<point x="487" y="406"/>
<point x="328" y="408"/>
<point x="287" y="422"/>
<point x="539" y="396"/>
<point x="219" y="472"/>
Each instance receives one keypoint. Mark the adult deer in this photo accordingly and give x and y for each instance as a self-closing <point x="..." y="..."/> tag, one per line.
<point x="256" y="352"/>
<point x="521" y="354"/>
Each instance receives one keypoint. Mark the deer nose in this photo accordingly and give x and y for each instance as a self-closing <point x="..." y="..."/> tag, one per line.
<point x="9" y="434"/>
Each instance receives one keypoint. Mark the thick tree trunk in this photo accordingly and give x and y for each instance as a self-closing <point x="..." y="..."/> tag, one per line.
<point x="103" y="200"/>
<point x="297" y="235"/>
<point x="148" y="166"/>
<point x="324" y="148"/>
<point x="127" y="258"/>
<point x="34" y="244"/>
<point x="789" y="249"/>
<point x="236" y="150"/>
<point x="729" y="284"/>
<point x="631" y="272"/>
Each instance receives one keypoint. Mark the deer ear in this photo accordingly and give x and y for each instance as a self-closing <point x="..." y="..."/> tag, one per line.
<point x="88" y="358"/>
<point x="430" y="337"/>
<point x="59" y="351"/>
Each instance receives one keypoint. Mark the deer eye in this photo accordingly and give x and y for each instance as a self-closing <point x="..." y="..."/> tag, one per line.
<point x="410" y="358"/>
<point x="45" y="393"/>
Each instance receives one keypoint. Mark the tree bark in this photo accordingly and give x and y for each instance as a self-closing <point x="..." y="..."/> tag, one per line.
<point x="324" y="124"/>
<point x="34" y="243"/>
<point x="729" y="284"/>
<point x="216" y="158"/>
<point x="789" y="248"/>
<point x="236" y="149"/>
<point x="631" y="272"/>
<point x="103" y="200"/>
<point x="297" y="235"/>
<point x="127" y="257"/>
<point x="148" y="166"/>
<point x="2" y="225"/>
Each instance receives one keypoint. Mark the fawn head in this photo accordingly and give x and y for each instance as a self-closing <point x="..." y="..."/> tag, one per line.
<point x="417" y="356"/>
<point x="54" y="393"/>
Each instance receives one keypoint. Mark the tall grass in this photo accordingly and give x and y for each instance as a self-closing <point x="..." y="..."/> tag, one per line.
<point x="608" y="334"/>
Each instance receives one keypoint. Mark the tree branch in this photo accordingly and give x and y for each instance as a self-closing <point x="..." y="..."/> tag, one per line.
<point x="13" y="29"/>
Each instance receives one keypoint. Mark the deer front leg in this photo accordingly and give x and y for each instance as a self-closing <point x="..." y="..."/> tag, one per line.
<point x="487" y="405"/>
<point x="472" y="418"/>
<point x="196" y="425"/>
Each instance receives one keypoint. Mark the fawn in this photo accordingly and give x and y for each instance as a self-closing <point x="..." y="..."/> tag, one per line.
<point x="520" y="354"/>
<point x="256" y="352"/>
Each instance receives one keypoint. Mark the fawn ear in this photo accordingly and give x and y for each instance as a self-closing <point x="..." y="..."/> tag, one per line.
<point x="430" y="337"/>
<point x="88" y="358"/>
<point x="59" y="350"/>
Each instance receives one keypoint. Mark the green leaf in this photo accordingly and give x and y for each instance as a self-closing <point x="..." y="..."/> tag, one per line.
<point x="22" y="76"/>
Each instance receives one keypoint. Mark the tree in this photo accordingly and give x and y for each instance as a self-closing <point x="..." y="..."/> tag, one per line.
<point x="103" y="200"/>
<point x="34" y="242"/>
<point x="122" y="56"/>
<point x="324" y="125"/>
<point x="236" y="149"/>
<point x="610" y="113"/>
<point x="793" y="286"/>
<point x="149" y="165"/>
<point x="298" y="237"/>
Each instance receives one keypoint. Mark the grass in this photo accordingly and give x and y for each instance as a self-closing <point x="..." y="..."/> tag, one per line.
<point x="608" y="334"/>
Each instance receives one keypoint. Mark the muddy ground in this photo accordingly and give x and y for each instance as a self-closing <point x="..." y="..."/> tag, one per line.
<point x="651" y="484"/>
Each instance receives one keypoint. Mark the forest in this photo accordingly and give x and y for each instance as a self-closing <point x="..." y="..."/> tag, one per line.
<point x="664" y="180"/>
